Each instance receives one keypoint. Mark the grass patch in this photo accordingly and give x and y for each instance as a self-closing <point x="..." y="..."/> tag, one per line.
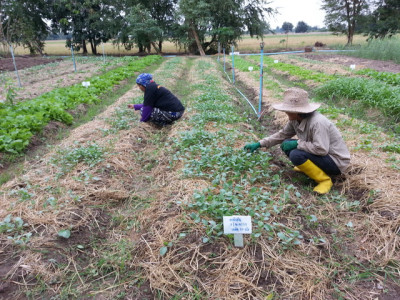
<point x="379" y="49"/>
<point x="367" y="93"/>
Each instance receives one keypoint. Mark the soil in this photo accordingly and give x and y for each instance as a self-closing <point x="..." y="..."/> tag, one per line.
<point x="23" y="62"/>
<point x="378" y="65"/>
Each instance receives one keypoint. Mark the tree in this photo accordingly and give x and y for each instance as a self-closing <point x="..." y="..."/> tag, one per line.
<point x="92" y="21"/>
<point x="163" y="12"/>
<point x="159" y="15"/>
<point x="286" y="27"/>
<point x="385" y="20"/>
<point x="301" y="27"/>
<point x="344" y="16"/>
<point x="140" y="29"/>
<point x="220" y="21"/>
<point x="22" y="23"/>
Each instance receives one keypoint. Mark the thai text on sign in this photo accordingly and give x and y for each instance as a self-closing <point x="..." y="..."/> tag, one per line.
<point x="237" y="224"/>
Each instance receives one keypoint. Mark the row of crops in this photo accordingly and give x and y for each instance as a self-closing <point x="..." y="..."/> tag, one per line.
<point x="19" y="122"/>
<point x="237" y="178"/>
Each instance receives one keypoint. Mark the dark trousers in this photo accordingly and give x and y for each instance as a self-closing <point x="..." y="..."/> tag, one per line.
<point x="162" y="118"/>
<point x="325" y="163"/>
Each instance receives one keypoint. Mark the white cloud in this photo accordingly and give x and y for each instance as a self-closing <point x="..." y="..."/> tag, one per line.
<point x="293" y="11"/>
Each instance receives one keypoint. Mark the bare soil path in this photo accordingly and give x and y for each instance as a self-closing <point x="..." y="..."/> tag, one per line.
<point x="23" y="62"/>
<point x="345" y="60"/>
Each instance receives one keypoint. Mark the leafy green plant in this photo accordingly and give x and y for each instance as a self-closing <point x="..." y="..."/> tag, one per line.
<point x="19" y="122"/>
<point x="391" y="147"/>
<point x="66" y="159"/>
<point x="387" y="77"/>
<point x="370" y="93"/>
<point x="299" y="72"/>
<point x="14" y="227"/>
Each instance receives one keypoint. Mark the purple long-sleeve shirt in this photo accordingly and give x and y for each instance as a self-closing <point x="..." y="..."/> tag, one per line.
<point x="145" y="111"/>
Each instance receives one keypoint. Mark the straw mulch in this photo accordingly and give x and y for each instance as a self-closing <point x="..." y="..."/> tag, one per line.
<point x="211" y="270"/>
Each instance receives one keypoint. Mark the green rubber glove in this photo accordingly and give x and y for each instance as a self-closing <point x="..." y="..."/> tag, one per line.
<point x="289" y="145"/>
<point x="252" y="147"/>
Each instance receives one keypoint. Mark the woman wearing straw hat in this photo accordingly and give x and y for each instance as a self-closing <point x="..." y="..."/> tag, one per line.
<point x="319" y="150"/>
<point x="160" y="106"/>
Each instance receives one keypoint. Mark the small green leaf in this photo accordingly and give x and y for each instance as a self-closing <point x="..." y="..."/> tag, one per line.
<point x="64" y="233"/>
<point x="205" y="240"/>
<point x="281" y="235"/>
<point x="270" y="296"/>
<point x="163" y="250"/>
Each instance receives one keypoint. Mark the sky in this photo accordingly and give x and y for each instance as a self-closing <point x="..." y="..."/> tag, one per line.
<point x="293" y="11"/>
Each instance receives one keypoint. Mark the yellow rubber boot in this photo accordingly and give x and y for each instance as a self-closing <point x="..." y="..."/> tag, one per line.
<point x="297" y="169"/>
<point x="315" y="173"/>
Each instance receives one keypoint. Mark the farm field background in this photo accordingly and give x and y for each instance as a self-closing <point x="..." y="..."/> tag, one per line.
<point x="118" y="209"/>
<point x="246" y="45"/>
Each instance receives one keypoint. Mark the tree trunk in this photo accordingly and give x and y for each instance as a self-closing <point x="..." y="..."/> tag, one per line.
<point x="160" y="45"/>
<point x="93" y="47"/>
<point x="351" y="33"/>
<point x="349" y="26"/>
<point x="196" y="37"/>
<point x="39" y="46"/>
<point x="141" y="48"/>
<point x="84" y="48"/>
<point x="156" y="47"/>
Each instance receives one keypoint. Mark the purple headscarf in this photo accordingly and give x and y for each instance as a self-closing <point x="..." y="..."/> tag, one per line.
<point x="144" y="79"/>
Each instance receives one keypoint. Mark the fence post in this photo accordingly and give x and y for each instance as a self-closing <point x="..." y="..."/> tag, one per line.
<point x="219" y="50"/>
<point x="15" y="65"/>
<point x="261" y="78"/>
<point x="73" y="57"/>
<point x="104" y="57"/>
<point x="224" y="58"/>
<point x="233" y="66"/>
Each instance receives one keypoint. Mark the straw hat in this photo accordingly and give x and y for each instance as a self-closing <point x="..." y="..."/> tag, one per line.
<point x="295" y="100"/>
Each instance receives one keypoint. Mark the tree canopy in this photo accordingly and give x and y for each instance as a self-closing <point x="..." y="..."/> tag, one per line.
<point x="385" y="19"/>
<point x="345" y="16"/>
<point x="287" y="27"/>
<point x="301" y="27"/>
<point x="196" y="25"/>
<point x="23" y="23"/>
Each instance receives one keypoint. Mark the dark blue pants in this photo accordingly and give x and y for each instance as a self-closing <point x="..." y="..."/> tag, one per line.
<point x="325" y="163"/>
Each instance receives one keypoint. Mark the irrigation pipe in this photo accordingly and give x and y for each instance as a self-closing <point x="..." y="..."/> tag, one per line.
<point x="242" y="94"/>
<point x="291" y="52"/>
<point x="259" y="113"/>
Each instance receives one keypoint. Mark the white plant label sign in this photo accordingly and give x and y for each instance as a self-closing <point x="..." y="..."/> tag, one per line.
<point x="237" y="224"/>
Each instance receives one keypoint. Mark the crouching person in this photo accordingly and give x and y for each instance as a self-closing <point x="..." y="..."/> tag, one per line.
<point x="160" y="106"/>
<point x="319" y="151"/>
